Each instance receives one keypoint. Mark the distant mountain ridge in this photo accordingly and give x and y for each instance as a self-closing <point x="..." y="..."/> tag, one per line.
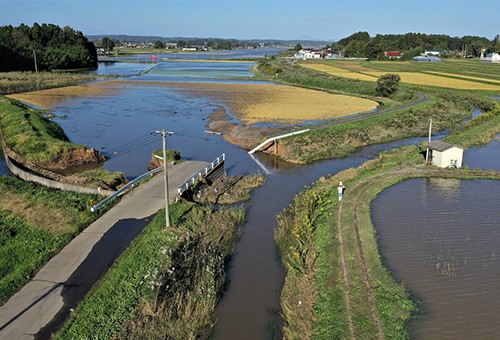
<point x="151" y="38"/>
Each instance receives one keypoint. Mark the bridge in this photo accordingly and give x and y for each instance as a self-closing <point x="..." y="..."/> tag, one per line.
<point x="69" y="275"/>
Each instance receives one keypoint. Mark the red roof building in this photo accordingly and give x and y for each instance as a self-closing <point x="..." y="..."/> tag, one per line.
<point x="393" y="54"/>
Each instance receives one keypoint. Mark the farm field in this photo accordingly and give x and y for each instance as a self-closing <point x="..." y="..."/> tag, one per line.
<point x="473" y="76"/>
<point x="251" y="103"/>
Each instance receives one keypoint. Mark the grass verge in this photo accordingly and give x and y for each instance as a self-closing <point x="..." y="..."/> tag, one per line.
<point x="166" y="284"/>
<point x="35" y="223"/>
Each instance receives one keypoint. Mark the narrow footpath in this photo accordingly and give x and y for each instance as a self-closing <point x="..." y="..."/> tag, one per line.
<point x="47" y="300"/>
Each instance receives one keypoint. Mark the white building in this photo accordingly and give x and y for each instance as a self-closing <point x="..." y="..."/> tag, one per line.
<point x="308" y="54"/>
<point x="444" y="155"/>
<point x="490" y="58"/>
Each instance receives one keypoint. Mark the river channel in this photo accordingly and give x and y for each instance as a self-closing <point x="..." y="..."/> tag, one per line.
<point x="121" y="125"/>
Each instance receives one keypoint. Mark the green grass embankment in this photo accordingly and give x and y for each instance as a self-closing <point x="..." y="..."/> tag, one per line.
<point x="28" y="133"/>
<point x="336" y="286"/>
<point x="166" y="284"/>
<point x="35" y="223"/>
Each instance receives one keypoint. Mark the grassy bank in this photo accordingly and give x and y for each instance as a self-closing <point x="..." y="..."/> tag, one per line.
<point x="166" y="284"/>
<point x="31" y="135"/>
<point x="447" y="111"/>
<point x="35" y="223"/>
<point x="17" y="82"/>
<point x="231" y="189"/>
<point x="336" y="285"/>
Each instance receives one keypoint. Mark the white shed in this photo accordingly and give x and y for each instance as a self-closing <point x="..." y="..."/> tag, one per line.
<point x="444" y="155"/>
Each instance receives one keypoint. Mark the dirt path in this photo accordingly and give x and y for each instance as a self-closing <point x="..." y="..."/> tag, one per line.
<point x="354" y="201"/>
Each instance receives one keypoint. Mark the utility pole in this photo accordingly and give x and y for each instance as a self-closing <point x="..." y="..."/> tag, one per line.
<point x="34" y="57"/>
<point x="430" y="133"/>
<point x="165" y="178"/>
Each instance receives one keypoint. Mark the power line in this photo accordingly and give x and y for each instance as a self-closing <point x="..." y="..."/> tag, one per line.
<point x="131" y="143"/>
<point x="133" y="149"/>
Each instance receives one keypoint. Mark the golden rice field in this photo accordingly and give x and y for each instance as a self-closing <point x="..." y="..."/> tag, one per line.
<point x="340" y="72"/>
<point x="464" y="77"/>
<point x="439" y="79"/>
<point x="418" y="78"/>
<point x="254" y="103"/>
<point x="51" y="97"/>
<point x="251" y="103"/>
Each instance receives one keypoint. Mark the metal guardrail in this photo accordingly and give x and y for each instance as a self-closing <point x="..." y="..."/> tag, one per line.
<point x="127" y="186"/>
<point x="203" y="172"/>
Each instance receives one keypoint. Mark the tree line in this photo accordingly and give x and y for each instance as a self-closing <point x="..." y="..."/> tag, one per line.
<point x="44" y="47"/>
<point x="361" y="45"/>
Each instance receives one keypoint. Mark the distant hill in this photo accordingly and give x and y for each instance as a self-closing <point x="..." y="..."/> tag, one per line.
<point x="151" y="38"/>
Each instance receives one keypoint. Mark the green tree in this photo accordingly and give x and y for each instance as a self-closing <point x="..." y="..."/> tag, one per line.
<point x="55" y="48"/>
<point x="297" y="47"/>
<point x="387" y="84"/>
<point x="108" y="44"/>
<point x="375" y="48"/>
<point x="159" y="44"/>
<point x="356" y="49"/>
<point x="181" y="44"/>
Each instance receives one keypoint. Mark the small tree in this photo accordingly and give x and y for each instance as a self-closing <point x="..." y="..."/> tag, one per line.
<point x="387" y="84"/>
<point x="297" y="47"/>
<point x="159" y="44"/>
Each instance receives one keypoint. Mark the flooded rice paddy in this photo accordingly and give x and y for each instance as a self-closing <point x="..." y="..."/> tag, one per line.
<point x="441" y="237"/>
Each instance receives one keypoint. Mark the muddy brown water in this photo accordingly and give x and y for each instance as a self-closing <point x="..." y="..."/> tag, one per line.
<point x="441" y="237"/>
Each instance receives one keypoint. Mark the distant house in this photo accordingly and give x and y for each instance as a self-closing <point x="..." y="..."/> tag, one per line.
<point x="308" y="54"/>
<point x="444" y="155"/>
<point x="490" y="58"/>
<point x="427" y="59"/>
<point x="393" y="54"/>
<point x="432" y="53"/>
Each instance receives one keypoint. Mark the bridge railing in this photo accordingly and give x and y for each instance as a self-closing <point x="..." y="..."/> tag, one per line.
<point x="203" y="172"/>
<point x="128" y="186"/>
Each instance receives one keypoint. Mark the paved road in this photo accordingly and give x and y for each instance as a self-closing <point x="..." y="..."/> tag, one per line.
<point x="45" y="302"/>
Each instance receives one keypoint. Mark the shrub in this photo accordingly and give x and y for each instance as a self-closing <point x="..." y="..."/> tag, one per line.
<point x="387" y="84"/>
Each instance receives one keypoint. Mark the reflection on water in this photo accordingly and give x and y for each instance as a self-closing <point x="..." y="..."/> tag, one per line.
<point x="207" y="70"/>
<point x="3" y="166"/>
<point x="442" y="238"/>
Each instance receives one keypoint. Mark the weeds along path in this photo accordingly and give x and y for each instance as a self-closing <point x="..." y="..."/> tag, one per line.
<point x="421" y="98"/>
<point x="345" y="273"/>
<point x="358" y="248"/>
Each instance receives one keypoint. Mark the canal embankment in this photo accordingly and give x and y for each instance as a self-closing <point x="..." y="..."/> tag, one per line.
<point x="329" y="248"/>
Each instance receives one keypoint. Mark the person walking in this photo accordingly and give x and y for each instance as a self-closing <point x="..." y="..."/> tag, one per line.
<point x="340" y="190"/>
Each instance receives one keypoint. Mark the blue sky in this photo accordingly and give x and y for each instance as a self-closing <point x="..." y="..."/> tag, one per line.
<point x="253" y="19"/>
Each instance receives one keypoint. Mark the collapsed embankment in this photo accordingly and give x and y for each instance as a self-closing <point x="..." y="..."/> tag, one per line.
<point x="36" y="149"/>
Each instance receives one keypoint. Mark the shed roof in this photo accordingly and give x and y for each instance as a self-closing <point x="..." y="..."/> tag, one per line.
<point x="439" y="145"/>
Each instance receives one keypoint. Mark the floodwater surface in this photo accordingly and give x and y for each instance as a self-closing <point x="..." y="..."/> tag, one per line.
<point x="441" y="237"/>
